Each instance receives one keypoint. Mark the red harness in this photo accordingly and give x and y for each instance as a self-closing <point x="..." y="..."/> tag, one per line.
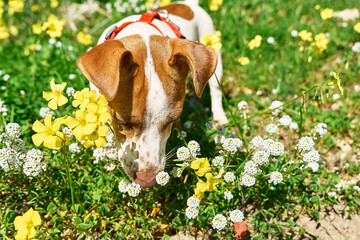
<point x="147" y="17"/>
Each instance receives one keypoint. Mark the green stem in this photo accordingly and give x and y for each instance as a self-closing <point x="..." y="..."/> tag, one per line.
<point x="68" y="174"/>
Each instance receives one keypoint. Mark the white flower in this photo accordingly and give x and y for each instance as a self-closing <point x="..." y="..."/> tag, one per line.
<point x="312" y="156"/>
<point x="321" y="129"/>
<point x="22" y="92"/>
<point x="285" y="120"/>
<point x="242" y="106"/>
<point x="176" y="172"/>
<point x="181" y="134"/>
<point x="219" y="222"/>
<point x="218" y="161"/>
<point x="228" y="195"/>
<point x="188" y="124"/>
<point x="305" y="143"/>
<point x="272" y="128"/>
<point x="271" y="40"/>
<point x="194" y="147"/>
<point x="13" y="130"/>
<point x="44" y="111"/>
<point x="276" y="177"/>
<point x="333" y="194"/>
<point x="236" y="216"/>
<point x="277" y="148"/>
<point x="251" y="168"/>
<point x="70" y="91"/>
<point x="112" y="153"/>
<point x="232" y="144"/>
<point x="229" y="177"/>
<point x="356" y="47"/>
<point x="72" y="76"/>
<point x="123" y="184"/>
<point x="6" y="77"/>
<point x="34" y="155"/>
<point x="294" y="126"/>
<point x="356" y="188"/>
<point x="52" y="41"/>
<point x="99" y="154"/>
<point x="183" y="153"/>
<point x="74" y="148"/>
<point x="267" y="144"/>
<point x="294" y="33"/>
<point x="314" y="166"/>
<point x="191" y="212"/>
<point x="219" y="139"/>
<point x="192" y="202"/>
<point x="357" y="88"/>
<point x="179" y="196"/>
<point x="70" y="48"/>
<point x="336" y="96"/>
<point x="248" y="180"/>
<point x="110" y="166"/>
<point x="338" y="186"/>
<point x="261" y="157"/>
<point x="257" y="141"/>
<point x="277" y="106"/>
<point x="162" y="178"/>
<point x="58" y="44"/>
<point x="133" y="189"/>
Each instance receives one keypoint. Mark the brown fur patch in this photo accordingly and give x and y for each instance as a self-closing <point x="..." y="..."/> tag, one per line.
<point x="178" y="9"/>
<point x="129" y="105"/>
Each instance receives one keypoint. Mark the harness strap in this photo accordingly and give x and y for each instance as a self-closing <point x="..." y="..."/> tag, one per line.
<point x="147" y="17"/>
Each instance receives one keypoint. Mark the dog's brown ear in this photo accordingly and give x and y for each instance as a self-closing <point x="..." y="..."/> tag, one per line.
<point x="201" y="59"/>
<point x="105" y="65"/>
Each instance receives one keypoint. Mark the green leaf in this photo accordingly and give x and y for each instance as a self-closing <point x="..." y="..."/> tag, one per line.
<point x="83" y="226"/>
<point x="291" y="223"/>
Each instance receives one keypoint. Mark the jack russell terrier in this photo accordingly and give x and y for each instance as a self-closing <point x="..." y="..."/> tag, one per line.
<point x="140" y="65"/>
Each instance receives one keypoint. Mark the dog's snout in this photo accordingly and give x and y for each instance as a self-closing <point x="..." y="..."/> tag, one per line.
<point x="146" y="177"/>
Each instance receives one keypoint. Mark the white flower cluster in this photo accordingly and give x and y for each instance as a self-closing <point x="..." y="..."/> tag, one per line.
<point x="219" y="222"/>
<point x="248" y="180"/>
<point x="176" y="172"/>
<point x="75" y="148"/>
<point x="242" y="106"/>
<point x="133" y="189"/>
<point x="257" y="142"/>
<point x="333" y="194"/>
<point x="232" y="145"/>
<point x="251" y="168"/>
<point x="128" y="6"/>
<point x="70" y="91"/>
<point x="44" y="111"/>
<point x="3" y="108"/>
<point x="305" y="143"/>
<point x="356" y="47"/>
<point x="261" y="157"/>
<point x="272" y="128"/>
<point x="108" y="153"/>
<point x="321" y="129"/>
<point x="194" y="147"/>
<point x="236" y="216"/>
<point x="162" y="178"/>
<point x="310" y="155"/>
<point x="16" y="155"/>
<point x="183" y="153"/>
<point x="277" y="106"/>
<point x="228" y="195"/>
<point x="229" y="177"/>
<point x="285" y="121"/>
<point x="192" y="210"/>
<point x="276" y="177"/>
<point x="218" y="161"/>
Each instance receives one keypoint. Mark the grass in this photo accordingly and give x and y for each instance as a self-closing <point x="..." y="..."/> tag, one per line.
<point x="77" y="198"/>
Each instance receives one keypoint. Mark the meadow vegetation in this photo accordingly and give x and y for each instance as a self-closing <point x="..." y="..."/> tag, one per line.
<point x="291" y="93"/>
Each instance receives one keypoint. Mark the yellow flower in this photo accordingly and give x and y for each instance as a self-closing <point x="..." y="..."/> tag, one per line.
<point x="198" y="194"/>
<point x="321" y="42"/>
<point x="84" y="38"/>
<point x="36" y="28"/>
<point x="4" y="32"/>
<point x="317" y="7"/>
<point x="212" y="40"/>
<point x="164" y="3"/>
<point x="326" y="13"/>
<point x="13" y="30"/>
<point x="98" y="137"/>
<point x="56" y="97"/>
<point x="54" y="26"/>
<point x="209" y="185"/>
<point x="215" y="4"/>
<point x="255" y="43"/>
<point x="149" y="4"/>
<point x="202" y="166"/>
<point x="244" y="61"/>
<point x="35" y="7"/>
<point x="84" y="97"/>
<point x="16" y="6"/>
<point x="54" y="3"/>
<point x="357" y="27"/>
<point x="49" y="133"/>
<point x="337" y="82"/>
<point x="305" y="35"/>
<point x="25" y="225"/>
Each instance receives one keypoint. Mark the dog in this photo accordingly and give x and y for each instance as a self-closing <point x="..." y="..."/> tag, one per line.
<point x="140" y="65"/>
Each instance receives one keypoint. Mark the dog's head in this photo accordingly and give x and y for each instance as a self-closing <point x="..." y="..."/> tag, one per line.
<point x="144" y="82"/>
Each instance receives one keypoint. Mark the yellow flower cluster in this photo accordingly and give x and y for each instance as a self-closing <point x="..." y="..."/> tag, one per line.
<point x="213" y="40"/>
<point x="25" y="225"/>
<point x="164" y="3"/>
<point x="244" y="61"/>
<point x="88" y="124"/>
<point x="35" y="7"/>
<point x="305" y="35"/>
<point x="16" y="6"/>
<point x="215" y="4"/>
<point x="54" y="3"/>
<point x="84" y="37"/>
<point x="36" y="28"/>
<point x="53" y="26"/>
<point x="357" y="27"/>
<point x="202" y="167"/>
<point x="149" y="4"/>
<point x="326" y="13"/>
<point x="255" y="43"/>
<point x="321" y="42"/>
<point x="30" y="48"/>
